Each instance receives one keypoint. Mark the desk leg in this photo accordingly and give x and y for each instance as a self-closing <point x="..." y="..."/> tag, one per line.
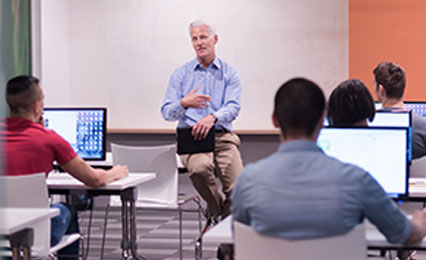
<point x="133" y="242"/>
<point x="27" y="253"/>
<point x="129" y="242"/>
<point x="16" y="253"/>
<point x="125" y="230"/>
<point x="22" y="239"/>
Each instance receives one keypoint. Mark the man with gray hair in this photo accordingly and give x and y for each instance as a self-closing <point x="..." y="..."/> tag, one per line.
<point x="204" y="96"/>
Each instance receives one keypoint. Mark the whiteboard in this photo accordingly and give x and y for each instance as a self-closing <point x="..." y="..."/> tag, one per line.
<point x="121" y="54"/>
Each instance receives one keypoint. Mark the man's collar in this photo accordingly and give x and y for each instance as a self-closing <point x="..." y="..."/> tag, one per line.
<point x="215" y="63"/>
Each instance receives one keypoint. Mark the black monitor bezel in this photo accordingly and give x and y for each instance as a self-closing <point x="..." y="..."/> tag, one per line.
<point x="104" y="125"/>
<point x="415" y="102"/>
<point x="399" y="197"/>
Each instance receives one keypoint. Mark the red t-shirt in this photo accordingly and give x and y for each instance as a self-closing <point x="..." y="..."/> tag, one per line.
<point x="30" y="148"/>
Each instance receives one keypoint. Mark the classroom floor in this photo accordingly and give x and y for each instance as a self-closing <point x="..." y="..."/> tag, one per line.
<point x="157" y="232"/>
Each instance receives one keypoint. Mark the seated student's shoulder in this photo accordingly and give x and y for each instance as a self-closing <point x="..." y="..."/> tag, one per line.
<point x="418" y="121"/>
<point x="348" y="172"/>
<point x="37" y="128"/>
<point x="258" y="169"/>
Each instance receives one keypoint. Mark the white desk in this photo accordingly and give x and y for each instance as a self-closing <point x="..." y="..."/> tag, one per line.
<point x="417" y="188"/>
<point x="222" y="233"/>
<point x="15" y="219"/>
<point x="64" y="181"/>
<point x="22" y="220"/>
<point x="61" y="183"/>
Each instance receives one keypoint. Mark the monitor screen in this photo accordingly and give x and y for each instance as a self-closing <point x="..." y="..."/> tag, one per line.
<point x="392" y="118"/>
<point x="419" y="107"/>
<point x="83" y="128"/>
<point x="416" y="106"/>
<point x="381" y="151"/>
<point x="388" y="118"/>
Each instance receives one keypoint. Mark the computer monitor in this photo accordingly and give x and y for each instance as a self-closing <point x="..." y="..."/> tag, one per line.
<point x="400" y="118"/>
<point x="388" y="118"/>
<point x="83" y="128"/>
<point x="381" y="151"/>
<point x="418" y="107"/>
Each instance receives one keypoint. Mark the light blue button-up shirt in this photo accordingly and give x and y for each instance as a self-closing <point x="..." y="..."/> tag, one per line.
<point x="220" y="81"/>
<point x="299" y="192"/>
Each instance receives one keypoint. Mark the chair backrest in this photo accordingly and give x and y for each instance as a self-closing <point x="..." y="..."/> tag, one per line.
<point x="29" y="191"/>
<point x="418" y="168"/>
<point x="24" y="191"/>
<point x="158" y="159"/>
<point x="251" y="245"/>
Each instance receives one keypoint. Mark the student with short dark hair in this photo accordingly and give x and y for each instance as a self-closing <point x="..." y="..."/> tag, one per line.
<point x="350" y="104"/>
<point x="300" y="192"/>
<point x="390" y="81"/>
<point x="29" y="148"/>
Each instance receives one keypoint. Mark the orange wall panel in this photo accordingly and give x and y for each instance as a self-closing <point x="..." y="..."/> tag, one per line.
<point x="389" y="30"/>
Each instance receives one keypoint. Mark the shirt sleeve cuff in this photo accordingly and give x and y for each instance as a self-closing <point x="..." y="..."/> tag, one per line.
<point x="401" y="238"/>
<point x="178" y="109"/>
<point x="218" y="116"/>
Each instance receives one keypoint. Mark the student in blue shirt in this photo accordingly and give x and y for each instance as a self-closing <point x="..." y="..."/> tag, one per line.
<point x="299" y="192"/>
<point x="204" y="95"/>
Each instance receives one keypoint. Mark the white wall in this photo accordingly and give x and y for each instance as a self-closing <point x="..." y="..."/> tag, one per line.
<point x="120" y="54"/>
<point x="55" y="47"/>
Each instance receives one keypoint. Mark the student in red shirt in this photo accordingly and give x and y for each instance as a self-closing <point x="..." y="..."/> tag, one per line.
<point x="29" y="148"/>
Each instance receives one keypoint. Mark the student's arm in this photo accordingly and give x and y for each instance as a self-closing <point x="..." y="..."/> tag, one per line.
<point x="383" y="212"/>
<point x="241" y="200"/>
<point x="80" y="170"/>
<point x="419" y="227"/>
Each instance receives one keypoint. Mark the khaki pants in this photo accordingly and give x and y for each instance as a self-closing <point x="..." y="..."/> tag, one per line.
<point x="225" y="161"/>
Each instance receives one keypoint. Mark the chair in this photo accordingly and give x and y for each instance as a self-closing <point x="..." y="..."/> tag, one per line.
<point x="160" y="193"/>
<point x="251" y="245"/>
<point x="30" y="191"/>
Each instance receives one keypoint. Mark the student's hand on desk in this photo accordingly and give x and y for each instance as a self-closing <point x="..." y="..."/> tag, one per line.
<point x="201" y="129"/>
<point x="121" y="171"/>
<point x="419" y="219"/>
<point x="195" y="100"/>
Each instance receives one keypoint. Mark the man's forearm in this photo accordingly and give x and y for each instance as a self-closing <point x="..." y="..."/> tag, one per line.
<point x="417" y="234"/>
